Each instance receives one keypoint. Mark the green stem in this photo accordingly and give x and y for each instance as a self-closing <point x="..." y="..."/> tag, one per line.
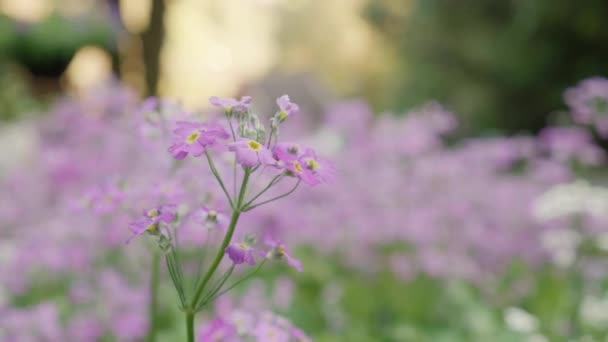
<point x="236" y="283"/>
<point x="153" y="305"/>
<point x="190" y="326"/>
<point x="216" y="288"/>
<point x="249" y="207"/>
<point x="218" y="177"/>
<point x="220" y="253"/>
<point x="236" y="212"/>
<point x="177" y="282"/>
<point x="233" y="165"/>
<point x="274" y="181"/>
<point x="270" y="137"/>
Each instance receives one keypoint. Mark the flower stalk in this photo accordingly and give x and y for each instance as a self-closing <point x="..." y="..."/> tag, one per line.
<point x="153" y="304"/>
<point x="236" y="212"/>
<point x="253" y="150"/>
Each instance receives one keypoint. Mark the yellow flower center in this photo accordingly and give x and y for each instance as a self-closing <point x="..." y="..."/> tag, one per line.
<point x="243" y="246"/>
<point x="153" y="213"/>
<point x="193" y="137"/>
<point x="152" y="228"/>
<point x="297" y="166"/>
<point x="281" y="250"/>
<point x="254" y="145"/>
<point x="283" y="115"/>
<point x="312" y="164"/>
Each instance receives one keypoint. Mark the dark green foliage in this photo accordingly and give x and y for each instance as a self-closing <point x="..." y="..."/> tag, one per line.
<point x="47" y="47"/>
<point x="503" y="63"/>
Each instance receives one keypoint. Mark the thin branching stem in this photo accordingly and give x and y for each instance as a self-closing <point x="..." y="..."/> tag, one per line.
<point x="272" y="182"/>
<point x="234" y="170"/>
<point x="236" y="283"/>
<point x="153" y="304"/>
<point x="216" y="287"/>
<point x="247" y="208"/>
<point x="236" y="212"/>
<point x="218" y="177"/>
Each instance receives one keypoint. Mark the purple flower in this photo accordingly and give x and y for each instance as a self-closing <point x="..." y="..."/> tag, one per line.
<point x="85" y="328"/>
<point x="104" y="199"/>
<point x="211" y="217"/>
<point x="322" y="169"/>
<point x="278" y="251"/>
<point x="287" y="149"/>
<point x="230" y="104"/>
<point x="268" y="332"/>
<point x="288" y="158"/>
<point x="148" y="105"/>
<point x="299" y="335"/>
<point x="194" y="137"/>
<point x="570" y="143"/>
<point x="287" y="108"/>
<point x="251" y="153"/>
<point x="218" y="330"/>
<point x="240" y="253"/>
<point x="151" y="219"/>
<point x="165" y="213"/>
<point x="588" y="102"/>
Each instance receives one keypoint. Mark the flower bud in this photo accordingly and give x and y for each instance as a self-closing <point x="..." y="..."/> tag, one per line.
<point x="164" y="243"/>
<point x="250" y="239"/>
<point x="250" y="133"/>
<point x="261" y="135"/>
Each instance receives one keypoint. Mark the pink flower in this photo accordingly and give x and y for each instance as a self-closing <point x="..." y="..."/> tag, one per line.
<point x="218" y="330"/>
<point x="230" y="104"/>
<point x="287" y="149"/>
<point x="251" y="153"/>
<point x="588" y="102"/>
<point x="105" y="199"/>
<point x="240" y="253"/>
<point x="322" y="169"/>
<point x="299" y="335"/>
<point x="268" y="332"/>
<point x="289" y="158"/>
<point x="287" y="108"/>
<point x="278" y="251"/>
<point x="150" y="220"/>
<point x="211" y="217"/>
<point x="194" y="137"/>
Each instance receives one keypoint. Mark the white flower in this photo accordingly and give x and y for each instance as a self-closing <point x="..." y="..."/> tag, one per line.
<point x="520" y="320"/>
<point x="537" y="338"/>
<point x="601" y="241"/>
<point x="562" y="245"/>
<point x="570" y="199"/>
<point x="594" y="311"/>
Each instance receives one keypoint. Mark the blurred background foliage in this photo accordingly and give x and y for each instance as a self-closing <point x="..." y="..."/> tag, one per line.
<point x="34" y="57"/>
<point x="503" y="63"/>
<point x="501" y="66"/>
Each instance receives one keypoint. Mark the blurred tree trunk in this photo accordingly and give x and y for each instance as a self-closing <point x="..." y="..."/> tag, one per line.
<point x="152" y="40"/>
<point x="120" y="31"/>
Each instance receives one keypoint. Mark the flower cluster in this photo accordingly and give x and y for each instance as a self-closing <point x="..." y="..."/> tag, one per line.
<point x="83" y="207"/>
<point x="152" y="219"/>
<point x="433" y="203"/>
<point x="254" y="154"/>
<point x="244" y="252"/>
<point x="588" y="103"/>
<point x="425" y="209"/>
<point x="247" y="326"/>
